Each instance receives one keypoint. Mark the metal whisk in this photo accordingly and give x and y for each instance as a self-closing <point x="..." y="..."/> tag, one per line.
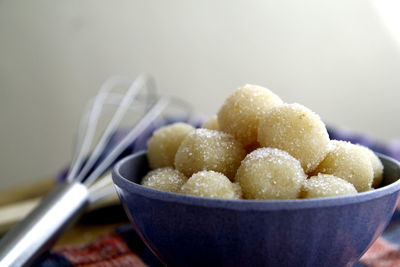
<point x="40" y="229"/>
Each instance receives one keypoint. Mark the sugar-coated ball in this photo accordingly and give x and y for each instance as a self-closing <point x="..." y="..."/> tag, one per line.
<point x="270" y="173"/>
<point x="165" y="179"/>
<point x="237" y="189"/>
<point x="326" y="185"/>
<point x="242" y="110"/>
<point x="162" y="146"/>
<point x="205" y="149"/>
<point x="211" y="123"/>
<point x="297" y="130"/>
<point x="377" y="166"/>
<point x="350" y="162"/>
<point x="210" y="184"/>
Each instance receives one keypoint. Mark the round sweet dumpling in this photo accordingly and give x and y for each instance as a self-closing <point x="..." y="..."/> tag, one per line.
<point x="297" y="130"/>
<point x="326" y="185"/>
<point x="211" y="124"/>
<point x="270" y="173"/>
<point x="205" y="149"/>
<point x="349" y="162"/>
<point x="210" y="184"/>
<point x="377" y="166"/>
<point x="165" y="179"/>
<point x="242" y="110"/>
<point x="238" y="190"/>
<point x="162" y="146"/>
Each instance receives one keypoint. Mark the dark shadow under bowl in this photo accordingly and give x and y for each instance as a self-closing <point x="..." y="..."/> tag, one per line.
<point x="192" y="231"/>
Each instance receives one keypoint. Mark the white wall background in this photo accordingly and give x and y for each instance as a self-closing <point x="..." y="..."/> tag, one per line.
<point x="339" y="58"/>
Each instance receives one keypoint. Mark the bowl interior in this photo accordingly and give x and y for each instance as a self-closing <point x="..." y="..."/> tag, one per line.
<point x="136" y="169"/>
<point x="390" y="170"/>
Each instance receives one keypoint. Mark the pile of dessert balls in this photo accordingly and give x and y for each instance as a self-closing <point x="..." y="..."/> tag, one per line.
<point x="258" y="147"/>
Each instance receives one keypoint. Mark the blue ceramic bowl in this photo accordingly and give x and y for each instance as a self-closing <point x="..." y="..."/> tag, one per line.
<point x="192" y="231"/>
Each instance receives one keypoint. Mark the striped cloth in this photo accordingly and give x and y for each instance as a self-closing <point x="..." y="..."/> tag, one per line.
<point x="120" y="247"/>
<point x="123" y="247"/>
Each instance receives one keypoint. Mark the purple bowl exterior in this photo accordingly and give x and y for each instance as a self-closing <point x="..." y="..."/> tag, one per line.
<point x="191" y="231"/>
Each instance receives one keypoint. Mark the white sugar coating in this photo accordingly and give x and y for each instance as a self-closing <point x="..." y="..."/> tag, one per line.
<point x="326" y="185"/>
<point x="270" y="173"/>
<point x="165" y="179"/>
<point x="297" y="130"/>
<point x="211" y="123"/>
<point x="242" y="110"/>
<point x="210" y="184"/>
<point x="162" y="146"/>
<point x="205" y="149"/>
<point x="377" y="166"/>
<point x="349" y="162"/>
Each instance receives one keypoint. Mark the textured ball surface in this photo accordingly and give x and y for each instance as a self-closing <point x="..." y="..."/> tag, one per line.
<point x="326" y="185"/>
<point x="211" y="123"/>
<point x="210" y="184"/>
<point x="297" y="130"/>
<point x="165" y="179"/>
<point x="238" y="190"/>
<point x="377" y="166"/>
<point x="349" y="162"/>
<point x="162" y="146"/>
<point x="270" y="173"/>
<point x="205" y="149"/>
<point x="242" y="110"/>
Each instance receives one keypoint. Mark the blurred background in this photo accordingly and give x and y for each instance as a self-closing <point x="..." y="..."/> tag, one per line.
<point x="339" y="58"/>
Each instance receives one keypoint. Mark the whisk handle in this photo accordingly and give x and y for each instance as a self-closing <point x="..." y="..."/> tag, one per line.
<point x="39" y="230"/>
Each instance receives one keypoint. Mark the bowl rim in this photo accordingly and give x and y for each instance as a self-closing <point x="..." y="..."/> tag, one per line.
<point x="248" y="204"/>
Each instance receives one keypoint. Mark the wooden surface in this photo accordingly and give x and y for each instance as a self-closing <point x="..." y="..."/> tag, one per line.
<point x="25" y="192"/>
<point x="16" y="201"/>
